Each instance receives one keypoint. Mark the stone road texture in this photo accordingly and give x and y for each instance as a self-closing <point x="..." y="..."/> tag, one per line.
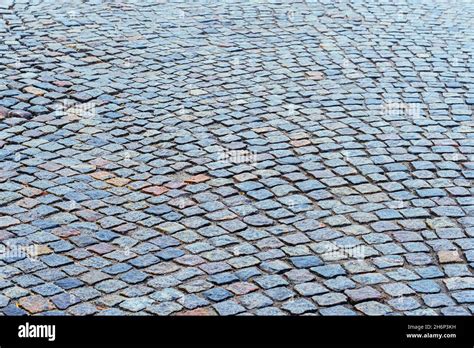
<point x="248" y="157"/>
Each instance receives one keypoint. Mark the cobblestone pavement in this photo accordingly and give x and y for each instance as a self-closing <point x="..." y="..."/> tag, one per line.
<point x="236" y="158"/>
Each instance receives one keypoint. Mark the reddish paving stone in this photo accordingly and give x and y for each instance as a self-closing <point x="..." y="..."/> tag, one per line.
<point x="66" y="232"/>
<point x="315" y="75"/>
<point x="21" y="114"/>
<point x="102" y="175"/>
<point x="181" y="202"/>
<point x="42" y="250"/>
<point x="299" y="143"/>
<point x="121" y="208"/>
<point x="264" y="129"/>
<point x="175" y="184"/>
<point x="63" y="83"/>
<point x="32" y="192"/>
<point x="50" y="166"/>
<point x="3" y="112"/>
<point x="99" y="162"/>
<point x="5" y="235"/>
<point x="89" y="215"/>
<point x="6" y="221"/>
<point x="449" y="256"/>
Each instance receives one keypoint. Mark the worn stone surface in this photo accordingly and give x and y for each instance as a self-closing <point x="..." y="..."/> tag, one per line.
<point x="181" y="158"/>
